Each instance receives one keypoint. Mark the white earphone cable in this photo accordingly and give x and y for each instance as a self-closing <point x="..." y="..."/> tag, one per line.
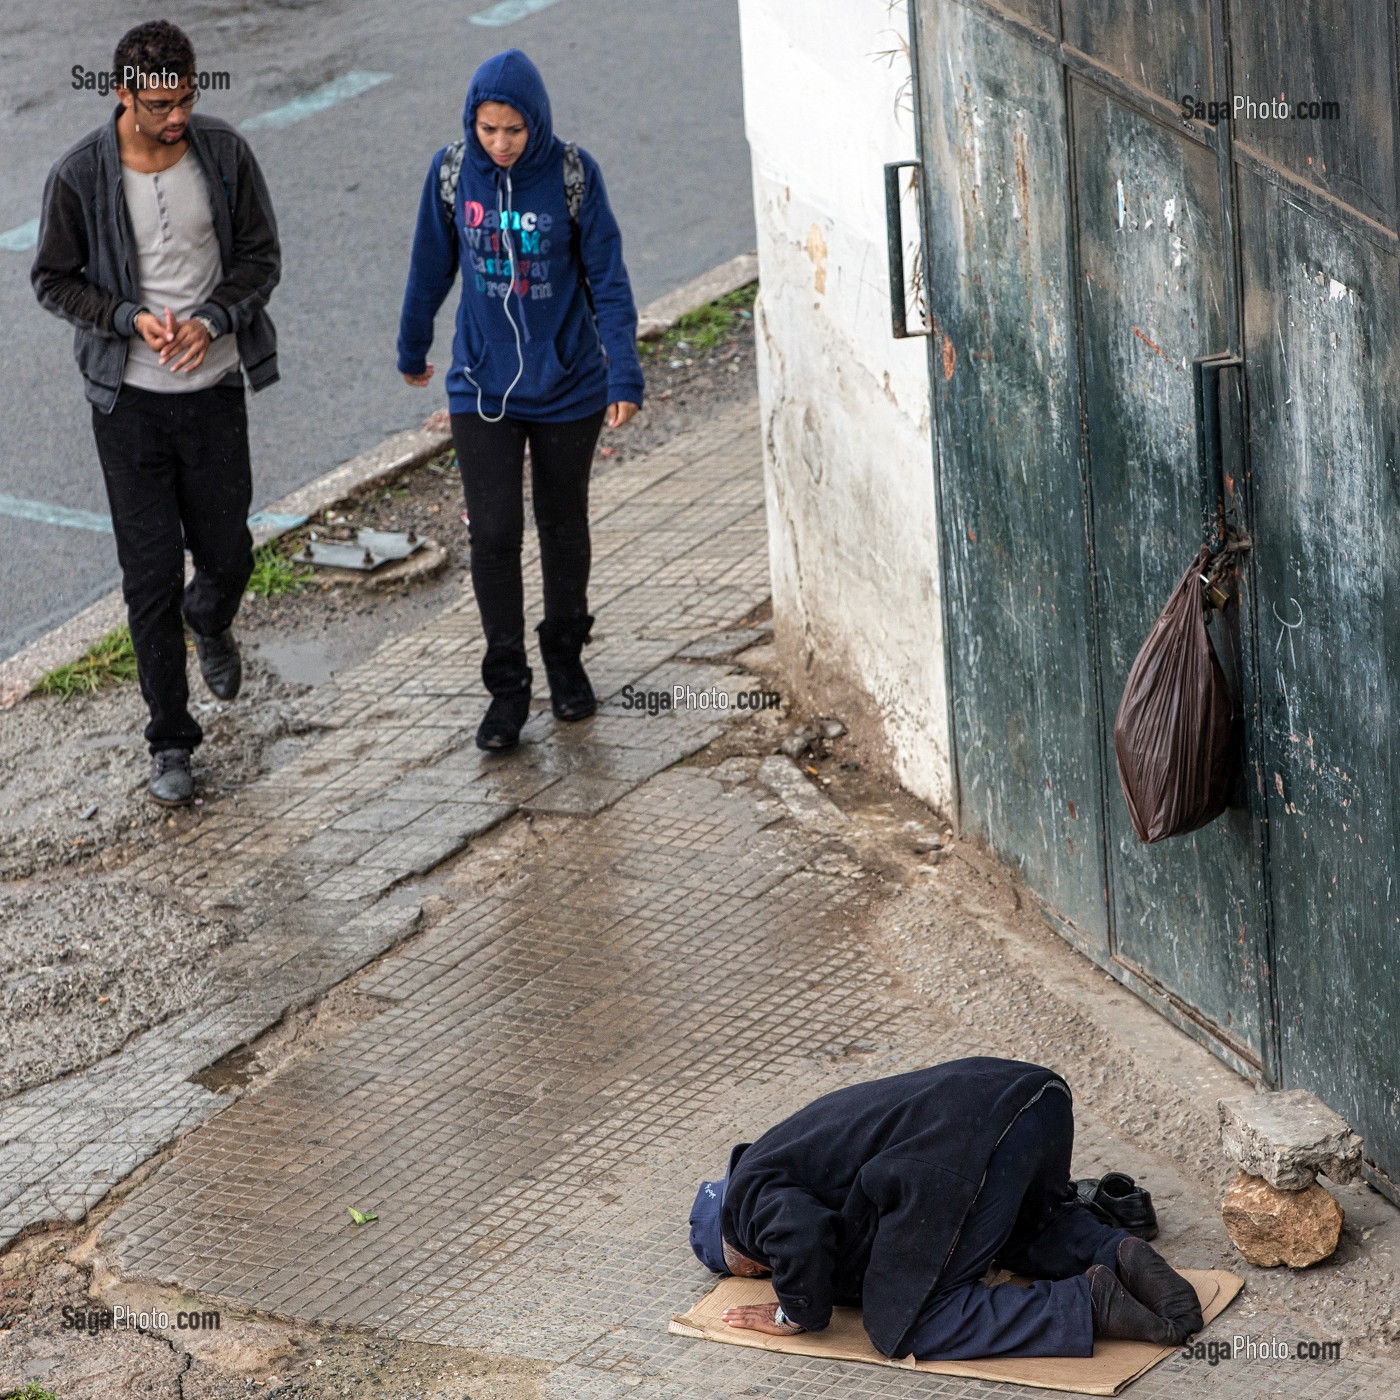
<point x="502" y="220"/>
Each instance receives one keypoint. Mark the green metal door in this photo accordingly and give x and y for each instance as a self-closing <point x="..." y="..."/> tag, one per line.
<point x="1187" y="914"/>
<point x="1076" y="236"/>
<point x="1086" y="240"/>
<point x="1016" y="574"/>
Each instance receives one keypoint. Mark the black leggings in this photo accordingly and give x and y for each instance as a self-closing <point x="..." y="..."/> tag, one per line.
<point x="491" y="458"/>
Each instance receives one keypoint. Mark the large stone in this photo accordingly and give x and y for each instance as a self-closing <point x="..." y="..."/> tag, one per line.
<point x="1272" y="1227"/>
<point x="1288" y="1137"/>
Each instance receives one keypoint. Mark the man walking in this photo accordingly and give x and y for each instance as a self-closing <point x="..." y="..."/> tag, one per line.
<point x="157" y="241"/>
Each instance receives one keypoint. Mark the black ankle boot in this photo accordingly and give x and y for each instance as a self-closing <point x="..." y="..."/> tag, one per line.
<point x="505" y="717"/>
<point x="570" y="691"/>
<point x="507" y="679"/>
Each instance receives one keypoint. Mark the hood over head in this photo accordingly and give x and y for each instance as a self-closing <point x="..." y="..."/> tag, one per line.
<point x="511" y="77"/>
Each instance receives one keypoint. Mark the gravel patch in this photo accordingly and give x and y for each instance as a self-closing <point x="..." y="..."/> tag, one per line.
<point x="73" y="772"/>
<point x="85" y="966"/>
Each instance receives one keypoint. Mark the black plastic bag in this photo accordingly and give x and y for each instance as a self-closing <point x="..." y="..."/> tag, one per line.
<point x="1178" y="729"/>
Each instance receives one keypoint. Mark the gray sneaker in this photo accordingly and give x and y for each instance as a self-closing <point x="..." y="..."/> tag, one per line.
<point x="172" y="783"/>
<point x="220" y="663"/>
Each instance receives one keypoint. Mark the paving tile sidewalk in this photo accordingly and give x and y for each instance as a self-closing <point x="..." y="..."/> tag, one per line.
<point x="681" y="955"/>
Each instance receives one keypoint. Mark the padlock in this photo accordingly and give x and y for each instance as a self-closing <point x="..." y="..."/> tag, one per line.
<point x="1216" y="596"/>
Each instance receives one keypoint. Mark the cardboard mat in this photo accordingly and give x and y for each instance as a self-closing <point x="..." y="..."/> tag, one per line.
<point x="1112" y="1366"/>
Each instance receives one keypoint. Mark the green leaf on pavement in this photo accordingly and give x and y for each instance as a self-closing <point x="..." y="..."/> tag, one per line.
<point x="361" y="1217"/>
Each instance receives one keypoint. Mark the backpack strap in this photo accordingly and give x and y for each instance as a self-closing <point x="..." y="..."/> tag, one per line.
<point x="448" y="174"/>
<point x="574" y="179"/>
<point x="450" y="171"/>
<point x="575" y="185"/>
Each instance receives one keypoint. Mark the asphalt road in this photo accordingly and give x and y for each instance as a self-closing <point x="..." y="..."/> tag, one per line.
<point x="651" y="87"/>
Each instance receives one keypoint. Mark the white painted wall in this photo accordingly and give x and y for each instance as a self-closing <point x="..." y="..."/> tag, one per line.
<point x="852" y="527"/>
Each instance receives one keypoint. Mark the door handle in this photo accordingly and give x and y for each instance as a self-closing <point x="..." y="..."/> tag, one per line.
<point x="894" y="233"/>
<point x="1210" y="446"/>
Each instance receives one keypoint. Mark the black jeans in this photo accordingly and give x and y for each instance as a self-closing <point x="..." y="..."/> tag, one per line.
<point x="491" y="458"/>
<point x="178" y="476"/>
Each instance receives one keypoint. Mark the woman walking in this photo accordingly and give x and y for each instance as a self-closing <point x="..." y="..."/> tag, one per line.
<point x="545" y="350"/>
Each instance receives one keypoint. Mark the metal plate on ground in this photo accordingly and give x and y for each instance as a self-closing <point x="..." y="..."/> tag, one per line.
<point x="366" y="552"/>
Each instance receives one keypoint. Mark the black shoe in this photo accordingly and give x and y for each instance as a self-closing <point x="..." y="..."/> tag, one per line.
<point x="1119" y="1201"/>
<point x="1119" y="1316"/>
<point x="571" y="694"/>
<point x="171" y="782"/>
<point x="1158" y="1286"/>
<point x="220" y="663"/>
<point x="505" y="717"/>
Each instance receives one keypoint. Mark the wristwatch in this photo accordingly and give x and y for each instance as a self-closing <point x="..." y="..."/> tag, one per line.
<point x="781" y="1319"/>
<point x="208" y="326"/>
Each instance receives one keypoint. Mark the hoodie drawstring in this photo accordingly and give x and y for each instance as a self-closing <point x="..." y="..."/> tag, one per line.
<point x="503" y="219"/>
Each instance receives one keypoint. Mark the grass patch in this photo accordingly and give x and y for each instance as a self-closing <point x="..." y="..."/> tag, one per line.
<point x="274" y="575"/>
<point x="706" y="328"/>
<point x="34" y="1391"/>
<point x="107" y="662"/>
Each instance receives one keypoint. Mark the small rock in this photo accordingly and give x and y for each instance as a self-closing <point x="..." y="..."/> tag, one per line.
<point x="832" y="728"/>
<point x="1271" y="1227"/>
<point x="796" y="744"/>
<point x="1288" y="1137"/>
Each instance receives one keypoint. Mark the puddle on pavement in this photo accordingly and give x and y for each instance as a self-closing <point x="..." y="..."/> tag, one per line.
<point x="237" y="1069"/>
<point x="303" y="662"/>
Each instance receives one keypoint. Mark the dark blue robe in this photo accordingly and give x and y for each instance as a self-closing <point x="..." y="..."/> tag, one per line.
<point x="858" y="1199"/>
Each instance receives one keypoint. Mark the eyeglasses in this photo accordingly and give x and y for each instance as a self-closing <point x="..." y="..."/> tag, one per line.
<point x="164" y="109"/>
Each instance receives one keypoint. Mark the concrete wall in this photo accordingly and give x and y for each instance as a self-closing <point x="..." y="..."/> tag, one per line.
<point x="852" y="526"/>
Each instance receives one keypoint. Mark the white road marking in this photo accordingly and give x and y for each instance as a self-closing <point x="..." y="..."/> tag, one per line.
<point x="46" y="514"/>
<point x="508" y="11"/>
<point x="330" y="94"/>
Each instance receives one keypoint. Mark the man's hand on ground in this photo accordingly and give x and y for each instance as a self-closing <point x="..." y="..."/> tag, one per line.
<point x="190" y="344"/>
<point x="758" y="1317"/>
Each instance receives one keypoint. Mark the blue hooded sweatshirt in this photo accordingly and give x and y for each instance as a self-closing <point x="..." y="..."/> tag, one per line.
<point x="566" y="367"/>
